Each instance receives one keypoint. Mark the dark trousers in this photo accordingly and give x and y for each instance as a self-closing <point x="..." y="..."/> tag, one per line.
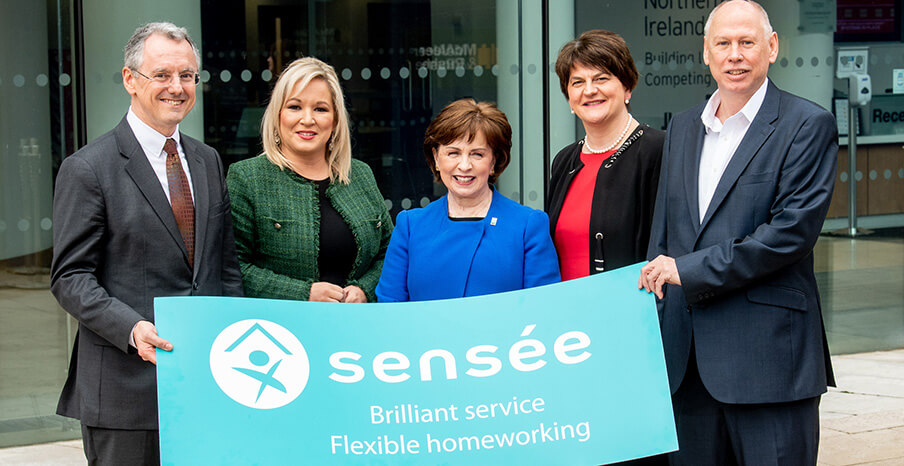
<point x="120" y="447"/>
<point x="715" y="433"/>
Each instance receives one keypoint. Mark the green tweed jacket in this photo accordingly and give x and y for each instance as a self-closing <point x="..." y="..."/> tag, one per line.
<point x="276" y="217"/>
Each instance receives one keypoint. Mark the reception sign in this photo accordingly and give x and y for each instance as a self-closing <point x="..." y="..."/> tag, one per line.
<point x="571" y="373"/>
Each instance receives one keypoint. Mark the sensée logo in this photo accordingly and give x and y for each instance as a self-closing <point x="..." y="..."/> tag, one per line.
<point x="259" y="364"/>
<point x="526" y="355"/>
<point x="262" y="365"/>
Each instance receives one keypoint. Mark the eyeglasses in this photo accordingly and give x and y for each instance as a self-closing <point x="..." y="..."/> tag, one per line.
<point x="187" y="78"/>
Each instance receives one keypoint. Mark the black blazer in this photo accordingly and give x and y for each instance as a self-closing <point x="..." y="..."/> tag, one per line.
<point x="623" y="198"/>
<point x="116" y="248"/>
<point x="748" y="298"/>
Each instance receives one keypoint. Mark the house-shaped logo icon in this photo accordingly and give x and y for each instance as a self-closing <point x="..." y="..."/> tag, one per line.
<point x="259" y="364"/>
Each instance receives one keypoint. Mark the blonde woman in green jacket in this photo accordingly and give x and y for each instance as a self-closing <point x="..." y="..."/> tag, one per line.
<point x="310" y="222"/>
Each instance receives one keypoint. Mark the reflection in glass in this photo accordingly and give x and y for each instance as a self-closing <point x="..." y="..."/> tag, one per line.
<point x="36" y="131"/>
<point x="448" y="44"/>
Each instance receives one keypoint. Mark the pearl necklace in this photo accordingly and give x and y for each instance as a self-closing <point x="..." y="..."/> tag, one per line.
<point x="612" y="146"/>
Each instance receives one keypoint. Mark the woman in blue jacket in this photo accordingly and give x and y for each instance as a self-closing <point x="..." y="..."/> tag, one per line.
<point x="472" y="241"/>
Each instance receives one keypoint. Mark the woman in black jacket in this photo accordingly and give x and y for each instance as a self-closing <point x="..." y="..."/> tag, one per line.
<point x="603" y="187"/>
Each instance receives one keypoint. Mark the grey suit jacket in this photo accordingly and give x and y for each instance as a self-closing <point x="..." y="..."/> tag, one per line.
<point x="748" y="298"/>
<point x="116" y="248"/>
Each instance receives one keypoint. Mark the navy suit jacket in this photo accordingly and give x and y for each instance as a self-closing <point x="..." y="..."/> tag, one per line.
<point x="432" y="257"/>
<point x="748" y="297"/>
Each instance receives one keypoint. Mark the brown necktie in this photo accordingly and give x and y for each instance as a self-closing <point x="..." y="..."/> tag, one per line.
<point x="180" y="198"/>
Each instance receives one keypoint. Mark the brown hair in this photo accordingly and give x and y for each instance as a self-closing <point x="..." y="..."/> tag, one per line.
<point x="601" y="49"/>
<point x="467" y="117"/>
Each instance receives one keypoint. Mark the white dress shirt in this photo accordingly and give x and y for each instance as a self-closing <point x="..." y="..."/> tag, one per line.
<point x="721" y="142"/>
<point x="151" y="143"/>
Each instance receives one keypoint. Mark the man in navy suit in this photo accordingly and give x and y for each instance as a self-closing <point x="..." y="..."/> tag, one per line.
<point x="745" y="185"/>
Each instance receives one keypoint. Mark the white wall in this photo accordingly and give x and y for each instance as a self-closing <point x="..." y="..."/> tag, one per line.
<point x="107" y="29"/>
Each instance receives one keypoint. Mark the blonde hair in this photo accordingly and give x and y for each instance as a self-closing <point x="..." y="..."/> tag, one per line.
<point x="302" y="71"/>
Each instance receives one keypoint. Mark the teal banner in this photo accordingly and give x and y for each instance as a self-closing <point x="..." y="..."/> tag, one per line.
<point x="571" y="373"/>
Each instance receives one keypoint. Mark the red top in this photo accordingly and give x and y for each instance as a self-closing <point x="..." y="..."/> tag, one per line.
<point x="572" y="238"/>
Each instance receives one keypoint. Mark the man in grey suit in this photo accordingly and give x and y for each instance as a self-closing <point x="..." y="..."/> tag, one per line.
<point x="140" y="212"/>
<point x="745" y="186"/>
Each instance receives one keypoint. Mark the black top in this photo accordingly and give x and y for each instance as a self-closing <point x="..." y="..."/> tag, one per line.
<point x="621" y="211"/>
<point x="337" y="243"/>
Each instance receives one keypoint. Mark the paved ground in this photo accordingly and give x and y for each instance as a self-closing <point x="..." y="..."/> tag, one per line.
<point x="862" y="420"/>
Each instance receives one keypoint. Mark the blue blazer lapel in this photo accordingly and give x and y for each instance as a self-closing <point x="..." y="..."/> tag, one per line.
<point x="139" y="169"/>
<point x="757" y="134"/>
<point x="201" y="198"/>
<point x="694" y="148"/>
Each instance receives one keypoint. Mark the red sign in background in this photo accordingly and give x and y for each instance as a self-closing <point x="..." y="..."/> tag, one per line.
<point x="867" y="20"/>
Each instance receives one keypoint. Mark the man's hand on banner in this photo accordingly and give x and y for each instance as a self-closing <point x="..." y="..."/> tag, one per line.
<point x="146" y="341"/>
<point x="657" y="273"/>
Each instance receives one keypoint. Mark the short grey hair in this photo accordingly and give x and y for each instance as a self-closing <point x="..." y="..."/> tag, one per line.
<point x="767" y="26"/>
<point x="134" y="50"/>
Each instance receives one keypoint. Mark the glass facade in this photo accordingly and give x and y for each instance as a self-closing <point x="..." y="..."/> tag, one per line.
<point x="399" y="63"/>
<point x="861" y="280"/>
<point x="37" y="129"/>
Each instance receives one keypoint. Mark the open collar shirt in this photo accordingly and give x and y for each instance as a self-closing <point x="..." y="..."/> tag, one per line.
<point x="721" y="142"/>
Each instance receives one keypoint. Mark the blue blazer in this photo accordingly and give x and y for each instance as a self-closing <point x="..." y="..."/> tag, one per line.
<point x="432" y="257"/>
<point x="748" y="296"/>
